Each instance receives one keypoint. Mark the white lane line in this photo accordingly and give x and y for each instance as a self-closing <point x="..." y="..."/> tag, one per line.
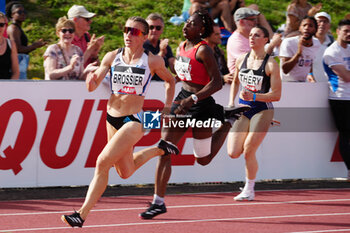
<point x="321" y="231"/>
<point x="244" y="203"/>
<point x="183" y="221"/>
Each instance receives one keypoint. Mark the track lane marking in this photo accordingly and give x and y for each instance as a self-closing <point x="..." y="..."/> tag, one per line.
<point x="243" y="203"/>
<point x="183" y="221"/>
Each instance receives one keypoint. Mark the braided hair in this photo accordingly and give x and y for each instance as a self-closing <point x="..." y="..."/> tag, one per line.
<point x="207" y="22"/>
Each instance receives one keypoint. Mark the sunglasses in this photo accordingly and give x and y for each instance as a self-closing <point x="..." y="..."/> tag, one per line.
<point x="86" y="19"/>
<point x="2" y="25"/>
<point x="133" y="31"/>
<point x="158" y="28"/>
<point x="251" y="19"/>
<point x="20" y="12"/>
<point x="70" y="30"/>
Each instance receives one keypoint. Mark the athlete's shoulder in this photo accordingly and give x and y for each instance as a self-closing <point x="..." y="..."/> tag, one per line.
<point x="109" y="57"/>
<point x="155" y="61"/>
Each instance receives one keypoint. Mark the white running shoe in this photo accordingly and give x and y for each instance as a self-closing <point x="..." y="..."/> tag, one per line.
<point x="245" y="195"/>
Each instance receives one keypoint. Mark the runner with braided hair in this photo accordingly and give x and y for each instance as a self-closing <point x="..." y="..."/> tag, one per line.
<point x="197" y="68"/>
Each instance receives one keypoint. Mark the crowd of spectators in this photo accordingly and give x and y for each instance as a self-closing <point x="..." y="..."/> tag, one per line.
<point x="232" y="15"/>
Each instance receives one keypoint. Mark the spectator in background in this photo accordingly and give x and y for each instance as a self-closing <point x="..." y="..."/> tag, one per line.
<point x="156" y="45"/>
<point x="296" y="11"/>
<point x="337" y="66"/>
<point x="64" y="61"/>
<point x="236" y="4"/>
<point x="8" y="54"/>
<point x="3" y="10"/>
<point x="238" y="43"/>
<point x="216" y="8"/>
<point x="298" y="53"/>
<point x="326" y="39"/>
<point x="213" y="41"/>
<point x="15" y="11"/>
<point x="89" y="45"/>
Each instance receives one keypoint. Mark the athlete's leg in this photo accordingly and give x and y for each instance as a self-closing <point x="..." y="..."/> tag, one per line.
<point x="259" y="125"/>
<point x="237" y="136"/>
<point x="202" y="134"/>
<point x="163" y="170"/>
<point x="120" y="145"/>
<point x="163" y="173"/>
<point x="206" y="143"/>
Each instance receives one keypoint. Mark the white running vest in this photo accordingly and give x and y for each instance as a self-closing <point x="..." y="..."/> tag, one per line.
<point x="130" y="79"/>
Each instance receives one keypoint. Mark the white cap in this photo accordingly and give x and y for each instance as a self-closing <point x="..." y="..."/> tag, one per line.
<point x="79" y="11"/>
<point x="323" y="14"/>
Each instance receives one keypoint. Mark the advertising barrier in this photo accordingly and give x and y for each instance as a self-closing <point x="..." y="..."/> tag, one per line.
<point x="51" y="133"/>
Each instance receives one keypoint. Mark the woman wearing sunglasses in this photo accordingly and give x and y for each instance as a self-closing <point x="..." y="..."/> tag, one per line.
<point x="15" y="11"/>
<point x="130" y="69"/>
<point x="64" y="61"/>
<point x="8" y="54"/>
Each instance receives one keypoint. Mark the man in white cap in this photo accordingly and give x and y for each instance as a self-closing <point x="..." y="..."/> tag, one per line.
<point x="89" y="45"/>
<point x="326" y="39"/>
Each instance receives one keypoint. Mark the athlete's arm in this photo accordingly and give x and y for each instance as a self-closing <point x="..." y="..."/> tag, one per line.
<point x="342" y="72"/>
<point x="94" y="79"/>
<point x="235" y="83"/>
<point x="157" y="65"/>
<point x="272" y="70"/>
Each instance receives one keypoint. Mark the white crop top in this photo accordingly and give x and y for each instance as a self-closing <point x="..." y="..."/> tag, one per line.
<point x="130" y="79"/>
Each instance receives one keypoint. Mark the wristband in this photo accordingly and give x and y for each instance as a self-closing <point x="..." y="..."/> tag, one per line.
<point x="311" y="74"/>
<point x="254" y="97"/>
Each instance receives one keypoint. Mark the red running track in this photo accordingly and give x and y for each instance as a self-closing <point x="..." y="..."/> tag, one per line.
<point x="272" y="211"/>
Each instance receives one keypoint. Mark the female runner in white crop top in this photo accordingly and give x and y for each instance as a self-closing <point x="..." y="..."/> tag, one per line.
<point x="126" y="100"/>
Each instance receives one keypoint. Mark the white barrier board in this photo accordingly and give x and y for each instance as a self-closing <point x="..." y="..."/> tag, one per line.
<point x="51" y="132"/>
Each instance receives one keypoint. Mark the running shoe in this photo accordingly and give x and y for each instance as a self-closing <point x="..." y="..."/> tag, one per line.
<point x="153" y="211"/>
<point x="245" y="195"/>
<point x="168" y="147"/>
<point x="235" y="112"/>
<point x="73" y="220"/>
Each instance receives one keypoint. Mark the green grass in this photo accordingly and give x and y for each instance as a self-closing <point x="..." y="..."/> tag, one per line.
<point x="112" y="14"/>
